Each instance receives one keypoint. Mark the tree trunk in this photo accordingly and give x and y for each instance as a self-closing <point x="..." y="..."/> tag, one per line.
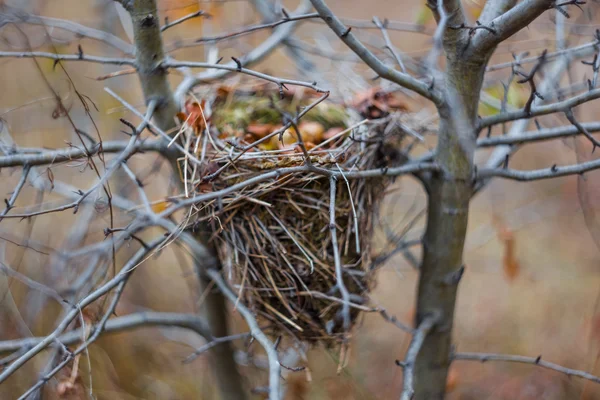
<point x="155" y="86"/>
<point x="449" y="192"/>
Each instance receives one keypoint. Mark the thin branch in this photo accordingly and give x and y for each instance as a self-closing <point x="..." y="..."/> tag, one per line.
<point x="249" y="29"/>
<point x="485" y="357"/>
<point x="260" y="52"/>
<point x="388" y="42"/>
<point x="411" y="354"/>
<point x="46" y="157"/>
<point x="13" y="198"/>
<point x="538" y="174"/>
<point x="339" y="277"/>
<point x="509" y="23"/>
<point x="119" y="324"/>
<point x="255" y="331"/>
<point x="71" y="26"/>
<point x="68" y="57"/>
<point x="562" y="106"/>
<point x="183" y="19"/>
<point x="71" y="315"/>
<point x="573" y="52"/>
<point x="537" y="136"/>
<point x="238" y="67"/>
<point x="369" y="58"/>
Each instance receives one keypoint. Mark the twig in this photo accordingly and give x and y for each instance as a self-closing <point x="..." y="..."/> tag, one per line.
<point x="538" y="174"/>
<point x="388" y="42"/>
<point x="339" y="277"/>
<point x="411" y="354"/>
<point x="183" y="19"/>
<point x="68" y="57"/>
<point x="485" y="357"/>
<point x="539" y="135"/>
<point x="561" y="106"/>
<point x="71" y="315"/>
<point x="249" y="29"/>
<point x="257" y="333"/>
<point x="13" y="198"/>
<point x="45" y="157"/>
<point x="369" y="58"/>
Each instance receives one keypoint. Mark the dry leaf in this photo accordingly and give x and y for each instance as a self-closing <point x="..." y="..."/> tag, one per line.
<point x="510" y="264"/>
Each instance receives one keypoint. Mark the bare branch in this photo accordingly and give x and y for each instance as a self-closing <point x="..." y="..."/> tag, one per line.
<point x="238" y="67"/>
<point x="336" y="254"/>
<point x="254" y="28"/>
<point x="255" y="331"/>
<point x="539" y="135"/>
<point x="538" y="174"/>
<point x="581" y="50"/>
<point x="71" y="315"/>
<point x="69" y="57"/>
<point x="411" y="354"/>
<point x="562" y="106"/>
<point x="45" y="157"/>
<point x="260" y="52"/>
<point x="80" y="30"/>
<point x="183" y="19"/>
<point x="509" y="23"/>
<point x="388" y="42"/>
<point x="369" y="58"/>
<point x="13" y="198"/>
<point x="485" y="357"/>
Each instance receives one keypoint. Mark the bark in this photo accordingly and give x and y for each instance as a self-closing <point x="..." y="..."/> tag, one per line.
<point x="449" y="192"/>
<point x="155" y="86"/>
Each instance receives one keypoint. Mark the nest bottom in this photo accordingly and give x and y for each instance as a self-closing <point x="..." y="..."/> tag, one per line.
<point x="277" y="243"/>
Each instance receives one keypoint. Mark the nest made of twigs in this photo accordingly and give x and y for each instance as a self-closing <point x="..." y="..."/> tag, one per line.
<point x="274" y="238"/>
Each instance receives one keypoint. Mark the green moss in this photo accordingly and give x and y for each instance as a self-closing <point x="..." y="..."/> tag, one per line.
<point x="243" y="111"/>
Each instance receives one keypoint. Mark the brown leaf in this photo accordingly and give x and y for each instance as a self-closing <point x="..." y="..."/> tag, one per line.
<point x="510" y="264"/>
<point x="260" y="130"/>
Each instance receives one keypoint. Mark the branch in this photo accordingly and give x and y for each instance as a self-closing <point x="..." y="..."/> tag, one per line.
<point x="119" y="324"/>
<point x="369" y="58"/>
<point x="538" y="174"/>
<point x="45" y="157"/>
<point x="76" y="309"/>
<point x="562" y="106"/>
<point x="537" y="136"/>
<point x="256" y="55"/>
<point x="336" y="254"/>
<point x="388" y="42"/>
<point x="237" y="66"/>
<point x="13" y="198"/>
<point x="255" y="331"/>
<point x="411" y="355"/>
<point x="168" y="25"/>
<point x="70" y="26"/>
<point x="484" y="357"/>
<point x="509" y="23"/>
<point x="68" y="57"/>
<point x="249" y="29"/>
<point x="572" y="52"/>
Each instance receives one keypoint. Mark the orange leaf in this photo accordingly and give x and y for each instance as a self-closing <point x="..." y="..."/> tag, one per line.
<point x="160" y="206"/>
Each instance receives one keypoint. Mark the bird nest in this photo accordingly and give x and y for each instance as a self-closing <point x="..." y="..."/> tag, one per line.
<point x="275" y="238"/>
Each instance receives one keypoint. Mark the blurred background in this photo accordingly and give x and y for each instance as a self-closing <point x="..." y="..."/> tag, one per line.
<point x="532" y="281"/>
